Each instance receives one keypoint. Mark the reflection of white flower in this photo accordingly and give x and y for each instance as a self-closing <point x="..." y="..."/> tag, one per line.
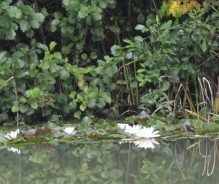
<point x="15" y="150"/>
<point x="70" y="130"/>
<point x="146" y="143"/>
<point x="12" y="135"/>
<point x="147" y="133"/>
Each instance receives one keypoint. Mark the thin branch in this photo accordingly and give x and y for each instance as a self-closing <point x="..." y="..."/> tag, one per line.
<point x="15" y="92"/>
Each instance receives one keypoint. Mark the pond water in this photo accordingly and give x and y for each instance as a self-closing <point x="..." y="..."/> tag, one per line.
<point x="184" y="161"/>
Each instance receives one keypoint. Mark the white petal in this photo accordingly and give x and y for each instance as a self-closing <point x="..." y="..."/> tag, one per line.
<point x="15" y="150"/>
<point x="122" y="126"/>
<point x="12" y="135"/>
<point x="8" y="136"/>
<point x="147" y="133"/>
<point x="70" y="130"/>
<point x="133" y="130"/>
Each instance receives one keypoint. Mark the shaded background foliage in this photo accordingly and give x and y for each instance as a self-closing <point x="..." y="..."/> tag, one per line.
<point x="102" y="57"/>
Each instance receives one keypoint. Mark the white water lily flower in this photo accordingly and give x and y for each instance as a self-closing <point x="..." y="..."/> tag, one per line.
<point x="133" y="129"/>
<point x="139" y="131"/>
<point x="70" y="130"/>
<point x="15" y="150"/>
<point x="12" y="135"/>
<point x="147" y="133"/>
<point x="146" y="143"/>
<point x="123" y="126"/>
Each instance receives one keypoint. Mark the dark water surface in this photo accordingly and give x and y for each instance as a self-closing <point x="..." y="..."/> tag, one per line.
<point x="186" y="161"/>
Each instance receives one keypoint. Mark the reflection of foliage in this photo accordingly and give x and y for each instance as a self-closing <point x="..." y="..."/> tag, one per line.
<point x="176" y="162"/>
<point x="188" y="164"/>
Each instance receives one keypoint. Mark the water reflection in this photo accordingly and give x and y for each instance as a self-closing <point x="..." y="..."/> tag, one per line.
<point x="188" y="161"/>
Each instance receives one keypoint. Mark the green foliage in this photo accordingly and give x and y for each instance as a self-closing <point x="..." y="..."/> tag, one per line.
<point x="74" y="57"/>
<point x="168" y="55"/>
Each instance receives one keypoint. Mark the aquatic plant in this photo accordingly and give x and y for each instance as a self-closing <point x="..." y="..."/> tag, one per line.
<point x="70" y="130"/>
<point x="12" y="135"/>
<point x="139" y="131"/>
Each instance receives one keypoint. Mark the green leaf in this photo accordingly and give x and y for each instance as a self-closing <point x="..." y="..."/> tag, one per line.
<point x="96" y="16"/>
<point x="42" y="46"/>
<point x="204" y="46"/>
<point x="55" y="22"/>
<point x="215" y="15"/>
<point x="67" y="49"/>
<point x="106" y="97"/>
<point x="91" y="102"/>
<point x="64" y="74"/>
<point x="10" y="35"/>
<point x="72" y="95"/>
<point x="34" y="24"/>
<point x="191" y="69"/>
<point x="115" y="29"/>
<point x="39" y="17"/>
<point x="138" y="38"/>
<point x="111" y="70"/>
<point x="84" y="56"/>
<point x="19" y="74"/>
<point x="116" y="50"/>
<point x="150" y="20"/>
<point x="36" y="91"/>
<point x="44" y="12"/>
<point x="140" y="18"/>
<point x="83" y="107"/>
<point x="103" y="4"/>
<point x="165" y="85"/>
<point x="141" y="70"/>
<point x="47" y="111"/>
<point x="20" y="62"/>
<point x="23" y="108"/>
<point x="89" y="20"/>
<point x="54" y="67"/>
<point x="166" y="25"/>
<point x="129" y="55"/>
<point x="22" y="99"/>
<point x="15" y="108"/>
<point x="52" y="45"/>
<point x="54" y="117"/>
<point x="45" y="64"/>
<point x="93" y="55"/>
<point x="116" y="173"/>
<point x="25" y="25"/>
<point x="58" y="15"/>
<point x="139" y="27"/>
<point x="100" y="102"/>
<point x="62" y="98"/>
<point x="77" y="114"/>
<point x="3" y="56"/>
<point x="14" y="12"/>
<point x="82" y="13"/>
<point x="34" y="104"/>
<point x="17" y="54"/>
<point x="73" y="105"/>
<point x="133" y="84"/>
